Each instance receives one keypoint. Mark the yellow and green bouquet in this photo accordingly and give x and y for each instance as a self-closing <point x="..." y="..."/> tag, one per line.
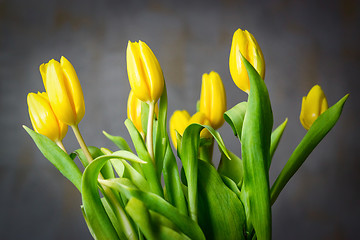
<point x="142" y="193"/>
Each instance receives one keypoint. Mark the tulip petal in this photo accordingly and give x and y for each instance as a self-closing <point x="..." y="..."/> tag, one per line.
<point x="152" y="70"/>
<point x="58" y="93"/>
<point x="137" y="77"/>
<point x="74" y="89"/>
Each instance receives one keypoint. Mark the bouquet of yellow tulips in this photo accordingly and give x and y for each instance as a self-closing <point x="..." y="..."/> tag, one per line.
<point x="123" y="195"/>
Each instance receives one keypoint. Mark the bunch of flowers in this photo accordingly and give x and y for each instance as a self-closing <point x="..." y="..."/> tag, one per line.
<point x="123" y="196"/>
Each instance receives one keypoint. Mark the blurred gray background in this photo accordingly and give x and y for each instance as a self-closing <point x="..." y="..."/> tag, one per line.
<point x="304" y="43"/>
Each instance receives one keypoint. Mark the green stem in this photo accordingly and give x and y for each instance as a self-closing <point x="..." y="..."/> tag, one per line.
<point x="149" y="134"/>
<point x="82" y="144"/>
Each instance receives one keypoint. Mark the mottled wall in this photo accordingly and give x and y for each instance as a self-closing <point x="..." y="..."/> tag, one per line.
<point x="304" y="43"/>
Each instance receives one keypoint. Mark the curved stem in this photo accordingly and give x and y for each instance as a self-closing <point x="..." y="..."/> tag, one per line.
<point x="82" y="144"/>
<point x="149" y="134"/>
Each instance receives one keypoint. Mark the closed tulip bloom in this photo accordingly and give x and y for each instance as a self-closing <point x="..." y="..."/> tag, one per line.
<point x="43" y="118"/>
<point x="200" y="118"/>
<point x="64" y="90"/>
<point x="213" y="99"/>
<point x="144" y="72"/>
<point x="244" y="42"/>
<point x="134" y="110"/>
<point x="313" y="105"/>
<point x="178" y="122"/>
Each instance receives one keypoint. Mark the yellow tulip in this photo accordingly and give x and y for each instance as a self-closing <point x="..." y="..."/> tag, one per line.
<point x="213" y="99"/>
<point x="64" y="90"/>
<point x="178" y="122"/>
<point x="313" y="105"/>
<point x="144" y="72"/>
<point x="134" y="110"/>
<point x="43" y="118"/>
<point x="200" y="117"/>
<point x="181" y="119"/>
<point x="244" y="42"/>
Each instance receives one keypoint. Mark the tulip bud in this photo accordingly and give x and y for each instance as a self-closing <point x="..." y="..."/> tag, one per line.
<point x="178" y="122"/>
<point x="134" y="110"/>
<point x="181" y="119"/>
<point x="144" y="72"/>
<point x="200" y="118"/>
<point x="313" y="105"/>
<point x="244" y="43"/>
<point x="213" y="99"/>
<point x="43" y="119"/>
<point x="64" y="90"/>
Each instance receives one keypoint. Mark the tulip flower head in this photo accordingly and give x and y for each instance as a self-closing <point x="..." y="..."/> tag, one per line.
<point x="244" y="43"/>
<point x="313" y="105"/>
<point x="180" y="120"/>
<point x="134" y="110"/>
<point x="64" y="90"/>
<point x="43" y="118"/>
<point x="213" y="99"/>
<point x="144" y="72"/>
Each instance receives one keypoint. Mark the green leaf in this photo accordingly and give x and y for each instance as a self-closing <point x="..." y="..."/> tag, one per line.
<point x="120" y="142"/>
<point x="189" y="157"/>
<point x="57" y="157"/>
<point x="322" y="125"/>
<point x="157" y="204"/>
<point x="232" y="168"/>
<point x="235" y="118"/>
<point x="97" y="218"/>
<point x="152" y="230"/>
<point x="106" y="172"/>
<point x="275" y="139"/>
<point x="255" y="139"/>
<point x="172" y="181"/>
<point x="122" y="154"/>
<point x="149" y="168"/>
<point x="221" y="213"/>
<point x="94" y="209"/>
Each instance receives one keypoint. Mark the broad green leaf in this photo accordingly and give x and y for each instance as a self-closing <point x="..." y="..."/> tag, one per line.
<point x="152" y="230"/>
<point x="189" y="158"/>
<point x="94" y="209"/>
<point x="235" y="118"/>
<point x="255" y="139"/>
<point x="275" y="139"/>
<point x="233" y="168"/>
<point x="172" y="181"/>
<point x="231" y="185"/>
<point x="322" y="125"/>
<point x="87" y="222"/>
<point x="221" y="213"/>
<point x="149" y="168"/>
<point x="157" y="204"/>
<point x="115" y="222"/>
<point x="97" y="218"/>
<point x="57" y="157"/>
<point x="107" y="171"/>
<point x="122" y="154"/>
<point x="120" y="142"/>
